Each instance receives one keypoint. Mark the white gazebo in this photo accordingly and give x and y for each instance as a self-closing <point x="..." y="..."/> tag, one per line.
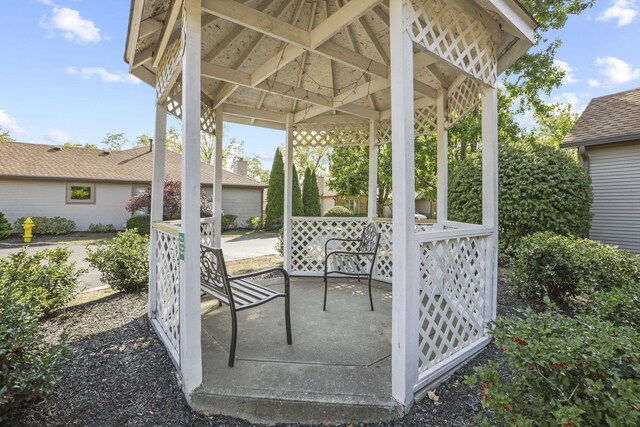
<point x="339" y="73"/>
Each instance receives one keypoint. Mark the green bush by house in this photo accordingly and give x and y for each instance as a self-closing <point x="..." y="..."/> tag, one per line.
<point x="102" y="228"/>
<point x="255" y="223"/>
<point x="563" y="371"/>
<point x="564" y="266"/>
<point x="540" y="189"/>
<point x="620" y="306"/>
<point x="29" y="364"/>
<point x="338" y="211"/>
<point x="5" y="227"/>
<point x="123" y="262"/>
<point x="45" y="225"/>
<point x="142" y="223"/>
<point x="227" y="221"/>
<point x="46" y="280"/>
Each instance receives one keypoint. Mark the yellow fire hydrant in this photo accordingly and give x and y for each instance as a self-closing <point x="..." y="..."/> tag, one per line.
<point x="28" y="226"/>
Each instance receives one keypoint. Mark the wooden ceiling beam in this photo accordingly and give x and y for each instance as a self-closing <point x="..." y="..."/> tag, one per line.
<point x="167" y="29"/>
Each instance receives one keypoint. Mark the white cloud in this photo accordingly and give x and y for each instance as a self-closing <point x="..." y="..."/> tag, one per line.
<point x="9" y="123"/>
<point x="72" y="26"/>
<point x="263" y="155"/>
<point x="578" y="102"/>
<point x="57" y="136"/>
<point x="593" y="83"/>
<point x="569" y="77"/>
<point x="624" y="12"/>
<point x="105" y="76"/>
<point x="616" y="70"/>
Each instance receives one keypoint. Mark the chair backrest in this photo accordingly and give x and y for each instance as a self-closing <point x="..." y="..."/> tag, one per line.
<point x="213" y="273"/>
<point x="370" y="239"/>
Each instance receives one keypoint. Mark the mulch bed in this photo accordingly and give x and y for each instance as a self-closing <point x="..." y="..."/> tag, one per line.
<point x="122" y="375"/>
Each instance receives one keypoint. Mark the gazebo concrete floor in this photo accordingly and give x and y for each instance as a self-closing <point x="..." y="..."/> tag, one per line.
<point x="338" y="368"/>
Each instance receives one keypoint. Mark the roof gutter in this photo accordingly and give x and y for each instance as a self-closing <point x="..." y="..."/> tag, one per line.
<point x="635" y="136"/>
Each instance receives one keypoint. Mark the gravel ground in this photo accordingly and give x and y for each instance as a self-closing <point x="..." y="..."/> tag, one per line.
<point x="122" y="375"/>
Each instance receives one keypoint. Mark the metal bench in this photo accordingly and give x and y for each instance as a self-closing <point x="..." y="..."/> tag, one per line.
<point x="237" y="292"/>
<point x="360" y="262"/>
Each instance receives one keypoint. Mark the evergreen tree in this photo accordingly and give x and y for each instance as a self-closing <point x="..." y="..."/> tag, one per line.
<point x="275" y="194"/>
<point x="297" y="208"/>
<point x="311" y="194"/>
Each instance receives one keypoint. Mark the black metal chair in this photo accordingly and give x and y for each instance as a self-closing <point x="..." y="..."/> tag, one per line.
<point x="237" y="292"/>
<point x="359" y="263"/>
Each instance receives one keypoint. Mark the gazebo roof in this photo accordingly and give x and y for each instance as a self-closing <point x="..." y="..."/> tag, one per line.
<point x="324" y="59"/>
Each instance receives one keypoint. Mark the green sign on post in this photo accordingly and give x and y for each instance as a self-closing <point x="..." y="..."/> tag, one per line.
<point x="181" y="245"/>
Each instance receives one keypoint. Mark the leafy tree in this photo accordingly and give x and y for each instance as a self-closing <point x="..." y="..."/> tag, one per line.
<point x="311" y="194"/>
<point x="79" y="145"/>
<point x="255" y="171"/>
<point x="315" y="158"/>
<point x="541" y="188"/>
<point x="5" y="136"/>
<point x="115" y="141"/>
<point x="297" y="208"/>
<point x="275" y="195"/>
<point x="143" y="140"/>
<point x="535" y="74"/>
<point x="553" y="127"/>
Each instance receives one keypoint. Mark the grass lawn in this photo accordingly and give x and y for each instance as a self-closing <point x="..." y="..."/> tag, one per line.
<point x="79" y="238"/>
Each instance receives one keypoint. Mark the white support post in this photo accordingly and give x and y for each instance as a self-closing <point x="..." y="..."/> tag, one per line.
<point x="442" y="136"/>
<point x="490" y="193"/>
<point x="373" y="169"/>
<point x="217" y="180"/>
<point x="404" y="335"/>
<point x="190" y="348"/>
<point x="157" y="198"/>
<point x="288" y="192"/>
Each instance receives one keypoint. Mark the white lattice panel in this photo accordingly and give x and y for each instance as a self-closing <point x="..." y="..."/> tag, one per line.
<point x="454" y="36"/>
<point x="207" y="114"/>
<point x="424" y="123"/>
<point x="169" y="67"/>
<point x="207" y="231"/>
<point x="332" y="134"/>
<point x="309" y="235"/>
<point x="384" y="264"/>
<point x="463" y="99"/>
<point x="452" y="297"/>
<point x="168" y="287"/>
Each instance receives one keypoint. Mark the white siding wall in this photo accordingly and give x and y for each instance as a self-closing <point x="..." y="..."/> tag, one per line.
<point x="244" y="202"/>
<point x="20" y="198"/>
<point x="615" y="175"/>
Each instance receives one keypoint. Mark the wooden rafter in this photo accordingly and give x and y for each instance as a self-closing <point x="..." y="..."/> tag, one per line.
<point x="167" y="29"/>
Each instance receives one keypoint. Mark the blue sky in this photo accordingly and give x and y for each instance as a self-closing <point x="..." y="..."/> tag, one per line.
<point x="64" y="79"/>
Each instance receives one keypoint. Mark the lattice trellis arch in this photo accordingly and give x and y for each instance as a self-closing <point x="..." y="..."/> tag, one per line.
<point x="339" y="134"/>
<point x="424" y="123"/>
<point x="462" y="99"/>
<point x="207" y="114"/>
<point x="169" y="68"/>
<point x="452" y="35"/>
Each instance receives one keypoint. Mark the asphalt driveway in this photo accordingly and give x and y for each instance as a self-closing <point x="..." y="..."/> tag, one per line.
<point x="234" y="248"/>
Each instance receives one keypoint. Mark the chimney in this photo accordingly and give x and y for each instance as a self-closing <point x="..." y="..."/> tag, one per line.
<point x="239" y="166"/>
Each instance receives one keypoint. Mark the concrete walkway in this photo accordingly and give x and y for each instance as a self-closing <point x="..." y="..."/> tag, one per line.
<point x="243" y="247"/>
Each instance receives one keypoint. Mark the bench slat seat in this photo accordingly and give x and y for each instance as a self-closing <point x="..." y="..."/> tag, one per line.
<point x="246" y="294"/>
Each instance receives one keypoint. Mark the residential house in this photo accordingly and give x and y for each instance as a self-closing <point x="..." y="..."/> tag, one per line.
<point x="92" y="186"/>
<point x="607" y="136"/>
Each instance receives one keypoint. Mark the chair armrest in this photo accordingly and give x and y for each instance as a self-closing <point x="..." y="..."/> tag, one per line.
<point x="335" y="239"/>
<point x="261" y="272"/>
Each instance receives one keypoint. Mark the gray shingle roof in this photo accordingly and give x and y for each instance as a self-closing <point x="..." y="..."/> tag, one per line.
<point x="607" y="119"/>
<point x="134" y="165"/>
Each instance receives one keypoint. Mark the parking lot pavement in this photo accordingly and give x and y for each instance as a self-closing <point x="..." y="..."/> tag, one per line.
<point x="242" y="247"/>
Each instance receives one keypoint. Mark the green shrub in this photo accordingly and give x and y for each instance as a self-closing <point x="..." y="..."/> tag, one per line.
<point x="45" y="225"/>
<point x="255" y="223"/>
<point x="142" y="223"/>
<point x="338" y="211"/>
<point x="29" y="365"/>
<point x="564" y="266"/>
<point x="102" y="228"/>
<point x="275" y="195"/>
<point x="280" y="242"/>
<point x="123" y="262"/>
<point x="228" y="220"/>
<point x="620" y="306"/>
<point x="540" y="189"/>
<point x="5" y="227"/>
<point x="564" y="371"/>
<point x="311" y="204"/>
<point x="46" y="280"/>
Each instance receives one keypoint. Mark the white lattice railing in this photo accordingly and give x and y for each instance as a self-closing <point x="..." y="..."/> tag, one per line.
<point x="165" y="316"/>
<point x="454" y="292"/>
<point x="309" y="235"/>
